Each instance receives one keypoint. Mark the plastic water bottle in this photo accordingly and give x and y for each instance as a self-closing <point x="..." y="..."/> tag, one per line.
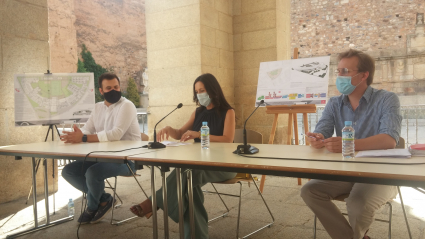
<point x="205" y="136"/>
<point x="71" y="210"/>
<point x="348" y="141"/>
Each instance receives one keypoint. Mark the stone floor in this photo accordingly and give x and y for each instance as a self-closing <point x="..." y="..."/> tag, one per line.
<point x="292" y="218"/>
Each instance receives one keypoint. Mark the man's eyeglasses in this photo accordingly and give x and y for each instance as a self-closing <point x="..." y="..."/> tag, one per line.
<point x="343" y="71"/>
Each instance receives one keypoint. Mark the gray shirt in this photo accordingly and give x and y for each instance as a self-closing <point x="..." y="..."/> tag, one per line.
<point x="378" y="113"/>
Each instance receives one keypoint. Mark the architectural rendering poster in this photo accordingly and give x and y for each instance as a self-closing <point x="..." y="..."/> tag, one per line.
<point x="42" y="99"/>
<point x="297" y="81"/>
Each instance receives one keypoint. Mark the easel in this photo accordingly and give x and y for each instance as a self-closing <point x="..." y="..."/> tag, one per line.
<point x="292" y="111"/>
<point x="45" y="161"/>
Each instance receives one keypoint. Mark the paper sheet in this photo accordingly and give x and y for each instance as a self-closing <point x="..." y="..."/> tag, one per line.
<point x="174" y="144"/>
<point x="386" y="153"/>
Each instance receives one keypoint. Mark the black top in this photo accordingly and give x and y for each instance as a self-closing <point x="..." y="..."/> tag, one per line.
<point x="214" y="118"/>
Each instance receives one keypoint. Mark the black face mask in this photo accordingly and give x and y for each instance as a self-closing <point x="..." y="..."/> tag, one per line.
<point x="112" y="96"/>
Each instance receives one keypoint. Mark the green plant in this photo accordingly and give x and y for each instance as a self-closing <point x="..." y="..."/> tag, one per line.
<point x="89" y="65"/>
<point x="132" y="92"/>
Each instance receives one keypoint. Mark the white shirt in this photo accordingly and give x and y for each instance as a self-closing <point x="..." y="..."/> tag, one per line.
<point x="115" y="122"/>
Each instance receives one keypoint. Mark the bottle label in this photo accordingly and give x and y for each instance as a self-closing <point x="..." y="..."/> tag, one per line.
<point x="205" y="132"/>
<point x="347" y="135"/>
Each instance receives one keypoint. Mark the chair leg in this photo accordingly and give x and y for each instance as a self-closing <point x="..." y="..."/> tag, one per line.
<point x="239" y="210"/>
<point x="404" y="212"/>
<point x="267" y="206"/>
<point x="134" y="176"/>
<point x="113" y="199"/>
<point x="390" y="219"/>
<point x="227" y="209"/>
<point x="314" y="227"/>
<point x="115" y="193"/>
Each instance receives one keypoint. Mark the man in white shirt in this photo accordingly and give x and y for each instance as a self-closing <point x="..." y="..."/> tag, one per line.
<point x="113" y="119"/>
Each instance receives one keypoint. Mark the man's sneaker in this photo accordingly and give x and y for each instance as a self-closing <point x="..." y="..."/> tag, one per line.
<point x="102" y="211"/>
<point x="86" y="216"/>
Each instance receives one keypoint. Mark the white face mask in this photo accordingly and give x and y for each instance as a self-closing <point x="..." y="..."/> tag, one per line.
<point x="204" y="99"/>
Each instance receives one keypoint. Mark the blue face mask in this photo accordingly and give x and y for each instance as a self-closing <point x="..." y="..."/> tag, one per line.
<point x="344" y="86"/>
<point x="204" y="99"/>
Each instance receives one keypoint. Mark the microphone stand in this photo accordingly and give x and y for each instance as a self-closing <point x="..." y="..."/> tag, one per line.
<point x="245" y="148"/>
<point x="155" y="144"/>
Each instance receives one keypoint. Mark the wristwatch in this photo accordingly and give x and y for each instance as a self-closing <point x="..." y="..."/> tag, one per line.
<point x="85" y="138"/>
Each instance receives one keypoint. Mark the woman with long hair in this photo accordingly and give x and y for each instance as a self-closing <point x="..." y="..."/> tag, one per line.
<point x="214" y="109"/>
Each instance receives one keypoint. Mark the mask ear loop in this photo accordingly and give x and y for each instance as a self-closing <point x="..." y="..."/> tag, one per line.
<point x="356" y="75"/>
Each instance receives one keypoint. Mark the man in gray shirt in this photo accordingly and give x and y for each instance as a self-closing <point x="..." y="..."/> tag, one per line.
<point x="376" y="119"/>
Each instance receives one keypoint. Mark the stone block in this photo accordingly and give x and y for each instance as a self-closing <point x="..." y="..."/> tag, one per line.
<point x="223" y="40"/>
<point x="8" y="97"/>
<point x="209" y="16"/>
<point x="180" y="94"/>
<point x="254" y="21"/>
<point x="208" y="36"/>
<point x="226" y="59"/>
<point x="224" y="76"/>
<point x="223" y="6"/>
<point x="176" y="57"/>
<point x="25" y="20"/>
<point x="24" y="55"/>
<point x="225" y="23"/>
<point x="253" y="58"/>
<point x="153" y="6"/>
<point x="1" y="52"/>
<point x="245" y="95"/>
<point x="237" y="7"/>
<point x="259" y="39"/>
<point x="419" y="70"/>
<point x="174" y="77"/>
<point x="210" y="56"/>
<point x="173" y="18"/>
<point x="253" y="6"/>
<point x="174" y="38"/>
<point x="237" y="42"/>
<point x="248" y="76"/>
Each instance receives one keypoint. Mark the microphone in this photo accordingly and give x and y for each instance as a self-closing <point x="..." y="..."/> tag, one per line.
<point x="245" y="148"/>
<point x="155" y="144"/>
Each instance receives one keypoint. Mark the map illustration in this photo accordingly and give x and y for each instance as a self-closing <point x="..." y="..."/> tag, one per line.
<point x="53" y="98"/>
<point x="298" y="81"/>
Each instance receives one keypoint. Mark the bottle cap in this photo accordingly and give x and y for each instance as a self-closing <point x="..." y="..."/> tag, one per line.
<point x="204" y="123"/>
<point x="348" y="123"/>
<point x="70" y="199"/>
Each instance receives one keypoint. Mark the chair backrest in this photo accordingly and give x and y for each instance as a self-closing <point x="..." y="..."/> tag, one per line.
<point x="253" y="137"/>
<point x="144" y="137"/>
<point x="401" y="143"/>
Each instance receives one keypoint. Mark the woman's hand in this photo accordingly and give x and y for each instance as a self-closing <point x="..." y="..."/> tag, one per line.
<point x="164" y="133"/>
<point x="190" y="135"/>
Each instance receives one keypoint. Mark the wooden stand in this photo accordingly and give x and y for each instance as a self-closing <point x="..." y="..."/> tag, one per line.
<point x="292" y="111"/>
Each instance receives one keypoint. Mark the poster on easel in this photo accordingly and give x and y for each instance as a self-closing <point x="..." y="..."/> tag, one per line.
<point x="296" y="81"/>
<point x="43" y="99"/>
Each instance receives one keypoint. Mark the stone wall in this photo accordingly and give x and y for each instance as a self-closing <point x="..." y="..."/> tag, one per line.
<point x="24" y="48"/>
<point x="390" y="31"/>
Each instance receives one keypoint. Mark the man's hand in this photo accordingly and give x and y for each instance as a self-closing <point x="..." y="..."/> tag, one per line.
<point x="315" y="139"/>
<point x="190" y="135"/>
<point x="334" y="144"/>
<point x="72" y="137"/>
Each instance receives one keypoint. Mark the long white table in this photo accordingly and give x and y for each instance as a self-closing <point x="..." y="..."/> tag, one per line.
<point x="293" y="162"/>
<point x="284" y="160"/>
<point x="60" y="150"/>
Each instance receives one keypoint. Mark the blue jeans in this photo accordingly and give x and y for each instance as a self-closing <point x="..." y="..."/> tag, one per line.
<point x="89" y="177"/>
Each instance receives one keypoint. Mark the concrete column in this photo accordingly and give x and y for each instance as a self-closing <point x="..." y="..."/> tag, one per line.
<point x="226" y="38"/>
<point x="261" y="33"/>
<point x="24" y="48"/>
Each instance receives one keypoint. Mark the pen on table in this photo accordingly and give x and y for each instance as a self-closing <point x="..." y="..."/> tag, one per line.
<point x="311" y="137"/>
